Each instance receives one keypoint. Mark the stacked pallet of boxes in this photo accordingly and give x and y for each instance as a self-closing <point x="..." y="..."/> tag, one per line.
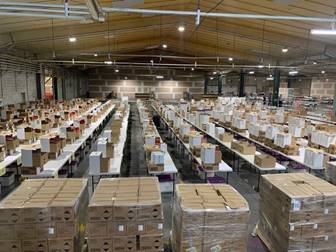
<point x="297" y="213"/>
<point x="44" y="215"/>
<point x="209" y="218"/>
<point x="125" y="214"/>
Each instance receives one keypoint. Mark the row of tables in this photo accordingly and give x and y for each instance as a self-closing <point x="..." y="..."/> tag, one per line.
<point x="118" y="153"/>
<point x="223" y="167"/>
<point x="169" y="168"/>
<point x="51" y="168"/>
<point x="236" y="155"/>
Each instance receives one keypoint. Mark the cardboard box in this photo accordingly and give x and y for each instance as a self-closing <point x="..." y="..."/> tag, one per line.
<point x="32" y="156"/>
<point x="265" y="161"/>
<point x="134" y="210"/>
<point x="202" y="219"/>
<point x="106" y="148"/>
<point x="296" y="209"/>
<point x="225" y="137"/>
<point x="100" y="244"/>
<point x="243" y="147"/>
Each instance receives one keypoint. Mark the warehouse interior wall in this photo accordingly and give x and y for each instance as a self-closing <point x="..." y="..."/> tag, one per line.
<point x="17" y="86"/>
<point x="323" y="87"/>
<point x="127" y="82"/>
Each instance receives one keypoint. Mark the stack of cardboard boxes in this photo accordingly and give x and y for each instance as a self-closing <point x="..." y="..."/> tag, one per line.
<point x="52" y="144"/>
<point x="209" y="218"/>
<point x="125" y="214"/>
<point x="297" y="213"/>
<point x="44" y="215"/>
<point x="211" y="156"/>
<point x="264" y="161"/>
<point x="10" y="140"/>
<point x="195" y="142"/>
<point x="33" y="159"/>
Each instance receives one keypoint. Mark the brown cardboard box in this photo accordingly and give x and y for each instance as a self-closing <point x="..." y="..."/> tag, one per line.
<point x="243" y="147"/>
<point x="100" y="244"/>
<point x="265" y="161"/>
<point x="35" y="245"/>
<point x="136" y="211"/>
<point x="151" y="243"/>
<point x="10" y="246"/>
<point x="226" y="137"/>
<point x="206" y="217"/>
<point x="96" y="229"/>
<point x="295" y="212"/>
<point x="61" y="244"/>
<point x="124" y="243"/>
<point x="104" y="164"/>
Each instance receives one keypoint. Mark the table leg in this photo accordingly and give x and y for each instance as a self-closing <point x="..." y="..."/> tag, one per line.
<point x="227" y="177"/>
<point x="259" y="176"/>
<point x="206" y="177"/>
<point x="174" y="183"/>
<point x="92" y="183"/>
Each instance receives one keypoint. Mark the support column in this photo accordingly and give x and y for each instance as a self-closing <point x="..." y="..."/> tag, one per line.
<point x="241" y="91"/>
<point x="276" y="86"/>
<point x="333" y="116"/>
<point x="221" y="79"/>
<point x="206" y="83"/>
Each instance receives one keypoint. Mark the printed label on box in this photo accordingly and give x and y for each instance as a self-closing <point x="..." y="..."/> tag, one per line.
<point x="140" y="228"/>
<point x="121" y="228"/>
<point x="296" y="205"/>
<point x="51" y="231"/>
<point x="160" y="226"/>
<point x="216" y="248"/>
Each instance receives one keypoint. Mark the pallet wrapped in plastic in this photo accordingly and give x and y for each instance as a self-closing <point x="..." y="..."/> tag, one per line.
<point x="297" y="213"/>
<point x="209" y="218"/>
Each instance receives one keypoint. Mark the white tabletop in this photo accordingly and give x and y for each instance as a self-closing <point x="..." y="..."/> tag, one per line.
<point x="53" y="166"/>
<point x="169" y="166"/>
<point x="115" y="162"/>
<point x="16" y="157"/>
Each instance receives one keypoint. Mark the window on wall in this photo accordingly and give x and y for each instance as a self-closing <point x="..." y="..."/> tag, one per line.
<point x="48" y="87"/>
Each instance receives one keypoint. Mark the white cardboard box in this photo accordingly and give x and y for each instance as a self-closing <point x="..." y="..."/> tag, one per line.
<point x="157" y="157"/>
<point x="94" y="162"/>
<point x="208" y="154"/>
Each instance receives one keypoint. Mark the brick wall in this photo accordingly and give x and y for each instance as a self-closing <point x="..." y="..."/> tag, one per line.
<point x="102" y="81"/>
<point x="323" y="87"/>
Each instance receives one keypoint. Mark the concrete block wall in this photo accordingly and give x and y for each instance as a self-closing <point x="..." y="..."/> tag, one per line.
<point x="323" y="87"/>
<point x="102" y="81"/>
<point x="17" y="87"/>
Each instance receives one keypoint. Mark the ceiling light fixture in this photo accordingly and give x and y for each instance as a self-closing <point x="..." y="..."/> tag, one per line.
<point x="251" y="72"/>
<point x="322" y="72"/>
<point x="261" y="66"/>
<point x="116" y="70"/>
<point x="269" y="78"/>
<point x="284" y="50"/>
<point x="164" y="46"/>
<point x="108" y="62"/>
<point x="230" y="59"/>
<point x="159" y="77"/>
<point x="72" y="39"/>
<point x="192" y="69"/>
<point x="323" y="31"/>
<point x="181" y="28"/>
<point x="214" y="72"/>
<point x="294" y="72"/>
<point x="315" y="63"/>
<point x="96" y="54"/>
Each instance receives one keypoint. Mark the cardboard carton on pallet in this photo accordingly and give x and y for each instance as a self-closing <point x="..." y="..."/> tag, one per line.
<point x="297" y="213"/>
<point x="209" y="218"/>
<point x="43" y="215"/>
<point x="126" y="214"/>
